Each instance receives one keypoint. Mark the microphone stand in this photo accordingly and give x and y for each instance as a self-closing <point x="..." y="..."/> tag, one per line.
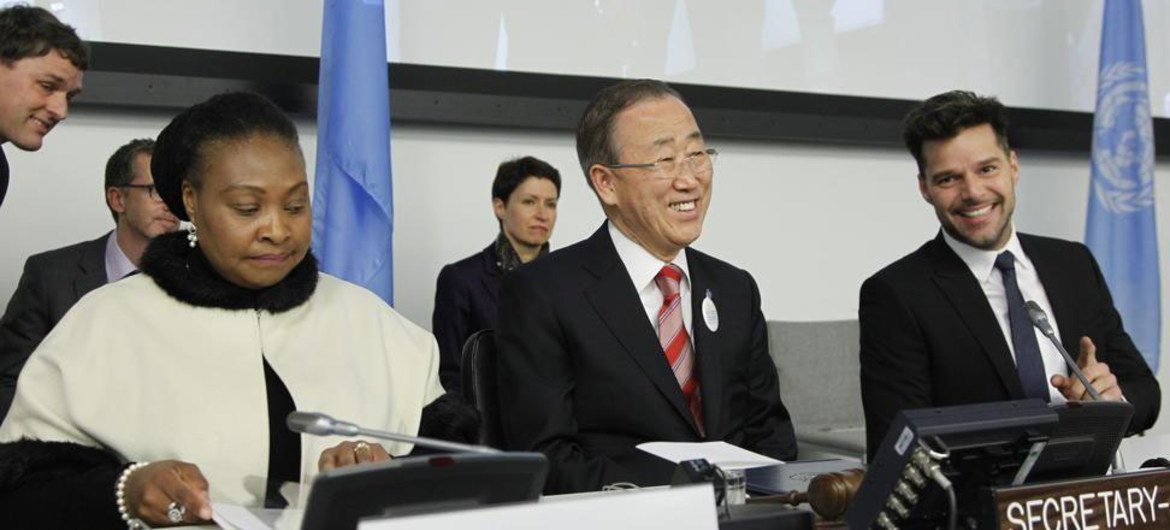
<point x="431" y="443"/>
<point x="323" y="425"/>
<point x="1040" y="319"/>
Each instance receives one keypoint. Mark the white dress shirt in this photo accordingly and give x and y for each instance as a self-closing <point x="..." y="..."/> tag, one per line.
<point x="117" y="264"/>
<point x="643" y="267"/>
<point x="982" y="265"/>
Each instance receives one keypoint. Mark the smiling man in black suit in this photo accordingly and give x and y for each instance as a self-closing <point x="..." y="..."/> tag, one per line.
<point x="946" y="325"/>
<point x="632" y="336"/>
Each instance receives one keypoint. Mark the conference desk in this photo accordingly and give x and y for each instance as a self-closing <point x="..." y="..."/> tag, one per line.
<point x="692" y="507"/>
<point x="608" y="503"/>
<point x="1022" y="507"/>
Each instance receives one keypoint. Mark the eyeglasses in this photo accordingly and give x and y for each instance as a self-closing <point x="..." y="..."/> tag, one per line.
<point x="699" y="162"/>
<point x="150" y="189"/>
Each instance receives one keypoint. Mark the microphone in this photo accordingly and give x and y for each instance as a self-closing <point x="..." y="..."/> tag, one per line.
<point x="1040" y="319"/>
<point x="320" y="424"/>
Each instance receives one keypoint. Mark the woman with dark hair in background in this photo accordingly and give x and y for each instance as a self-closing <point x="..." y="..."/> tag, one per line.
<point x="524" y="199"/>
<point x="160" y="393"/>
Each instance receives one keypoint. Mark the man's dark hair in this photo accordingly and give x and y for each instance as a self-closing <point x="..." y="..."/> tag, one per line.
<point x="512" y="173"/>
<point x="27" y="31"/>
<point x="179" y="153"/>
<point x="595" y="130"/>
<point x="944" y="116"/>
<point x="120" y="168"/>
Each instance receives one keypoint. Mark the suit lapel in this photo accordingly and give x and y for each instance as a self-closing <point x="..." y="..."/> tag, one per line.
<point x="1052" y="279"/>
<point x="961" y="288"/>
<point x="617" y="303"/>
<point x="491" y="272"/>
<point x="708" y="349"/>
<point x="92" y="267"/>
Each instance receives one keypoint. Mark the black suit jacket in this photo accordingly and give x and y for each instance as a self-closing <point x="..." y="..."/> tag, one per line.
<point x="3" y="176"/>
<point x="51" y="283"/>
<point x="929" y="337"/>
<point x="583" y="378"/>
<point x="467" y="297"/>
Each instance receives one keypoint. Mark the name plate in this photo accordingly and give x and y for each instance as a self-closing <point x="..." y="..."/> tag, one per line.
<point x="1130" y="500"/>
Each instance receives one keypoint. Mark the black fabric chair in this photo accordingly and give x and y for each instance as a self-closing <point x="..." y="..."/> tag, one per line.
<point x="479" y="385"/>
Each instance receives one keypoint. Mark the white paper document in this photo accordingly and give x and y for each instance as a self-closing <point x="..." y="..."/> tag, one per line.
<point x="235" y="517"/>
<point x="720" y="454"/>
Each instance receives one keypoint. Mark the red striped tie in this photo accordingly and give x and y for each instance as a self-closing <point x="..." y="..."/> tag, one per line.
<point x="676" y="343"/>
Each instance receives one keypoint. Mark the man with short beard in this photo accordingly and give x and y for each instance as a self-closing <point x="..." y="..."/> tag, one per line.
<point x="946" y="325"/>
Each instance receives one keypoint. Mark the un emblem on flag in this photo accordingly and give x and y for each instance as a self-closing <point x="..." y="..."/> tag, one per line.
<point x="1123" y="140"/>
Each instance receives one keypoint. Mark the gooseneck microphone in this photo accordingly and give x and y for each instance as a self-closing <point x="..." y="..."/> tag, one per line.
<point x="1040" y="319"/>
<point x="324" y="425"/>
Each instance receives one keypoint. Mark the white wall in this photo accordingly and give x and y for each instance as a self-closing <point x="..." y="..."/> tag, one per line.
<point x="1032" y="53"/>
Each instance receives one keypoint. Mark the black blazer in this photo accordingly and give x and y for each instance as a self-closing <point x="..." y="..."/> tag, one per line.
<point x="583" y="378"/>
<point x="929" y="337"/>
<point x="51" y="283"/>
<point x="467" y="297"/>
<point x="3" y="176"/>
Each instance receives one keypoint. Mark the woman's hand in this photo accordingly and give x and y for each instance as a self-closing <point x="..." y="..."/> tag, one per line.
<point x="350" y="453"/>
<point x="151" y="490"/>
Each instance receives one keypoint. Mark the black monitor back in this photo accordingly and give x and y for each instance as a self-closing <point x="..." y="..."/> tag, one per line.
<point x="1084" y="441"/>
<point x="987" y="444"/>
<point x="424" y="484"/>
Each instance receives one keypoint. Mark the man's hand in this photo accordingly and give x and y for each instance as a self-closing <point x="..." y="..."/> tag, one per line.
<point x="1096" y="372"/>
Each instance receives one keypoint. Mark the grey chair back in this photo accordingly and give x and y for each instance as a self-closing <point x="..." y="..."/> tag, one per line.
<point x="820" y="384"/>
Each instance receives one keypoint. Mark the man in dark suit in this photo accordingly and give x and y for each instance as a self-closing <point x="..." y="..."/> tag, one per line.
<point x="630" y="336"/>
<point x="55" y="280"/>
<point x="41" y="65"/>
<point x="945" y="325"/>
<point x="524" y="199"/>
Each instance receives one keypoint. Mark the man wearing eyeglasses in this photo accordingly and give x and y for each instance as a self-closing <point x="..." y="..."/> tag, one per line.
<point x="631" y="336"/>
<point x="55" y="280"/>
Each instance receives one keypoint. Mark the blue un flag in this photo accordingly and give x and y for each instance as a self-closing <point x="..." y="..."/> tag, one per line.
<point x="353" y="209"/>
<point x="1120" y="229"/>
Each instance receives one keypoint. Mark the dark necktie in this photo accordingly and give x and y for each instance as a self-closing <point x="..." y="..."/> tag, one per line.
<point x="1029" y="363"/>
<point x="676" y="343"/>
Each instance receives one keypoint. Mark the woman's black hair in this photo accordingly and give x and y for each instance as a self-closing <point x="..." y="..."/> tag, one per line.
<point x="514" y="172"/>
<point x="181" y="147"/>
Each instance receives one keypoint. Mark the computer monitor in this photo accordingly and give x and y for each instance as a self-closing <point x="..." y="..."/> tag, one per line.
<point x="406" y="486"/>
<point x="977" y="447"/>
<point x="985" y="444"/>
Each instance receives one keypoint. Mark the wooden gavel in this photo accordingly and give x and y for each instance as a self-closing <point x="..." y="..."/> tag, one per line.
<point x="829" y="494"/>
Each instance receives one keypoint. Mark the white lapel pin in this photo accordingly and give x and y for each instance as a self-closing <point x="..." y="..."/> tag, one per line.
<point x="710" y="314"/>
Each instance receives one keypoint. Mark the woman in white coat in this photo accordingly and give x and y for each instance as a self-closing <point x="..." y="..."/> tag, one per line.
<point x="163" y="392"/>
